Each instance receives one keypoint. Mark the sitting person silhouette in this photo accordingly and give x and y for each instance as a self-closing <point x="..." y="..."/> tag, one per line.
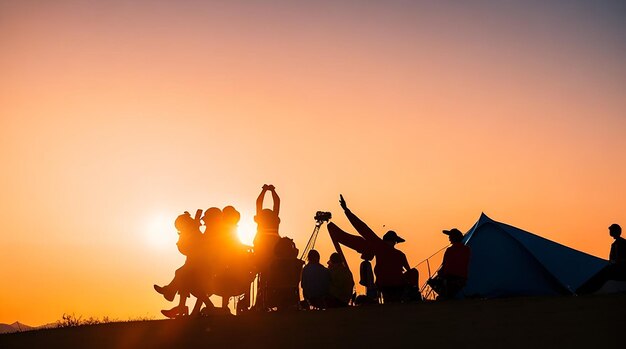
<point x="188" y="278"/>
<point x="283" y="276"/>
<point x="341" y="284"/>
<point x="234" y="267"/>
<point x="315" y="281"/>
<point x="617" y="255"/>
<point x="452" y="276"/>
<point x="391" y="263"/>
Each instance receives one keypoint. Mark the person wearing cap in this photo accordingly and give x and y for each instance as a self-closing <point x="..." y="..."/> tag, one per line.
<point x="454" y="268"/>
<point x="390" y="262"/>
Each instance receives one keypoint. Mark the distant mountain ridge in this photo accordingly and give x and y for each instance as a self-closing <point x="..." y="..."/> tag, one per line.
<point x="19" y="327"/>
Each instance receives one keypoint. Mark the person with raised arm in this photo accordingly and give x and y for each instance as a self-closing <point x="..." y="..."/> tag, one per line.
<point x="266" y="237"/>
<point x="391" y="263"/>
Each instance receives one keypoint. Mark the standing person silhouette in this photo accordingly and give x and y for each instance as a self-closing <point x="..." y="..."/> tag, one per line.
<point x="266" y="237"/>
<point x="390" y="262"/>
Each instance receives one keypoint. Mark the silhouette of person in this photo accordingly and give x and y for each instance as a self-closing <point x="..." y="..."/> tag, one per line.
<point x="341" y="282"/>
<point x="452" y="275"/>
<point x="235" y="269"/>
<point x="268" y="222"/>
<point x="283" y="276"/>
<point x="366" y="279"/>
<point x="315" y="281"/>
<point x="390" y="262"/>
<point x="266" y="237"/>
<point x="615" y="270"/>
<point x="617" y="254"/>
<point x="187" y="279"/>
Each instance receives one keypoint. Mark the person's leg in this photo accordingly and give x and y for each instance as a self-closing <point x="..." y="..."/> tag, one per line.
<point x="179" y="310"/>
<point x="169" y="291"/>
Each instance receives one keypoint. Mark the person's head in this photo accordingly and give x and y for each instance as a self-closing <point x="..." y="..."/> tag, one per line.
<point x="285" y="248"/>
<point x="392" y="238"/>
<point x="454" y="235"/>
<point x="212" y="217"/>
<point x="313" y="257"/>
<point x="615" y="230"/>
<point x="185" y="222"/>
<point x="267" y="219"/>
<point x="230" y="215"/>
<point x="367" y="255"/>
<point x="335" y="259"/>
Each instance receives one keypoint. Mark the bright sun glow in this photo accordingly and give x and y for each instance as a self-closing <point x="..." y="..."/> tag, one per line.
<point x="160" y="232"/>
<point x="246" y="231"/>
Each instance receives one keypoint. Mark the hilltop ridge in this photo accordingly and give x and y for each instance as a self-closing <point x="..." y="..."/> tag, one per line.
<point x="593" y="321"/>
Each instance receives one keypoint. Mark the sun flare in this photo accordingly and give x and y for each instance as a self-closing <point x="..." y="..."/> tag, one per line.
<point x="160" y="232"/>
<point x="246" y="230"/>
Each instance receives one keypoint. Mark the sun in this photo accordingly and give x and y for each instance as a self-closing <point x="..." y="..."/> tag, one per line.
<point x="246" y="230"/>
<point x="160" y="232"/>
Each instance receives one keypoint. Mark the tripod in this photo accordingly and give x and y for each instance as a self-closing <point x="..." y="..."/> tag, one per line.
<point x="320" y="219"/>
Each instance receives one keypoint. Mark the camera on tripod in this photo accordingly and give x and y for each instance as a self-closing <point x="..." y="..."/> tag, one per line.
<point x="321" y="217"/>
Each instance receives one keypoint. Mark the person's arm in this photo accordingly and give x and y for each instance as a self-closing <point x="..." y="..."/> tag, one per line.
<point x="259" y="200"/>
<point x="358" y="224"/>
<point x="443" y="270"/>
<point x="276" y="199"/>
<point x="405" y="263"/>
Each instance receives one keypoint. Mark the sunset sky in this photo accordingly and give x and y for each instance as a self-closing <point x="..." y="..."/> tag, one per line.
<point x="116" y="116"/>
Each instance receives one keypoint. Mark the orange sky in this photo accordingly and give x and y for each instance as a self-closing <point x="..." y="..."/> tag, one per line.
<point x="117" y="116"/>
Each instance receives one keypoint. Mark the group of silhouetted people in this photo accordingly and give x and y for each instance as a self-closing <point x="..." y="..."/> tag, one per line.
<point x="217" y="263"/>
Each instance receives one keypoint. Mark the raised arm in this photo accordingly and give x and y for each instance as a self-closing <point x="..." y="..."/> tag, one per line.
<point x="259" y="200"/>
<point x="276" y="199"/>
<point x="358" y="224"/>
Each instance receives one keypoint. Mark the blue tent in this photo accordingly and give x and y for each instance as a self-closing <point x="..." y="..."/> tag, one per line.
<point x="507" y="261"/>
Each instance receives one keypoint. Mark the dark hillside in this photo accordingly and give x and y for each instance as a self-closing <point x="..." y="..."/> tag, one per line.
<point x="580" y="322"/>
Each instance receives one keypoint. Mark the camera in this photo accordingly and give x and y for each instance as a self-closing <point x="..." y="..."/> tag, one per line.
<point x="321" y="216"/>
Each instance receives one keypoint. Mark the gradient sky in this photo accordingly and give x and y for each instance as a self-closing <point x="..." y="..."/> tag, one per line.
<point x="116" y="116"/>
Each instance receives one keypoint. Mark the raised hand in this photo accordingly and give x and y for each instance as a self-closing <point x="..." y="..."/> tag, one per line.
<point x="342" y="202"/>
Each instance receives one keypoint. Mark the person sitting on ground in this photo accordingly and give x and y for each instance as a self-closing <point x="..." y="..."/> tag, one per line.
<point x="452" y="275"/>
<point x="315" y="281"/>
<point x="341" y="282"/>
<point x="283" y="276"/>
<point x="617" y="254"/>
<point x="391" y="263"/>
